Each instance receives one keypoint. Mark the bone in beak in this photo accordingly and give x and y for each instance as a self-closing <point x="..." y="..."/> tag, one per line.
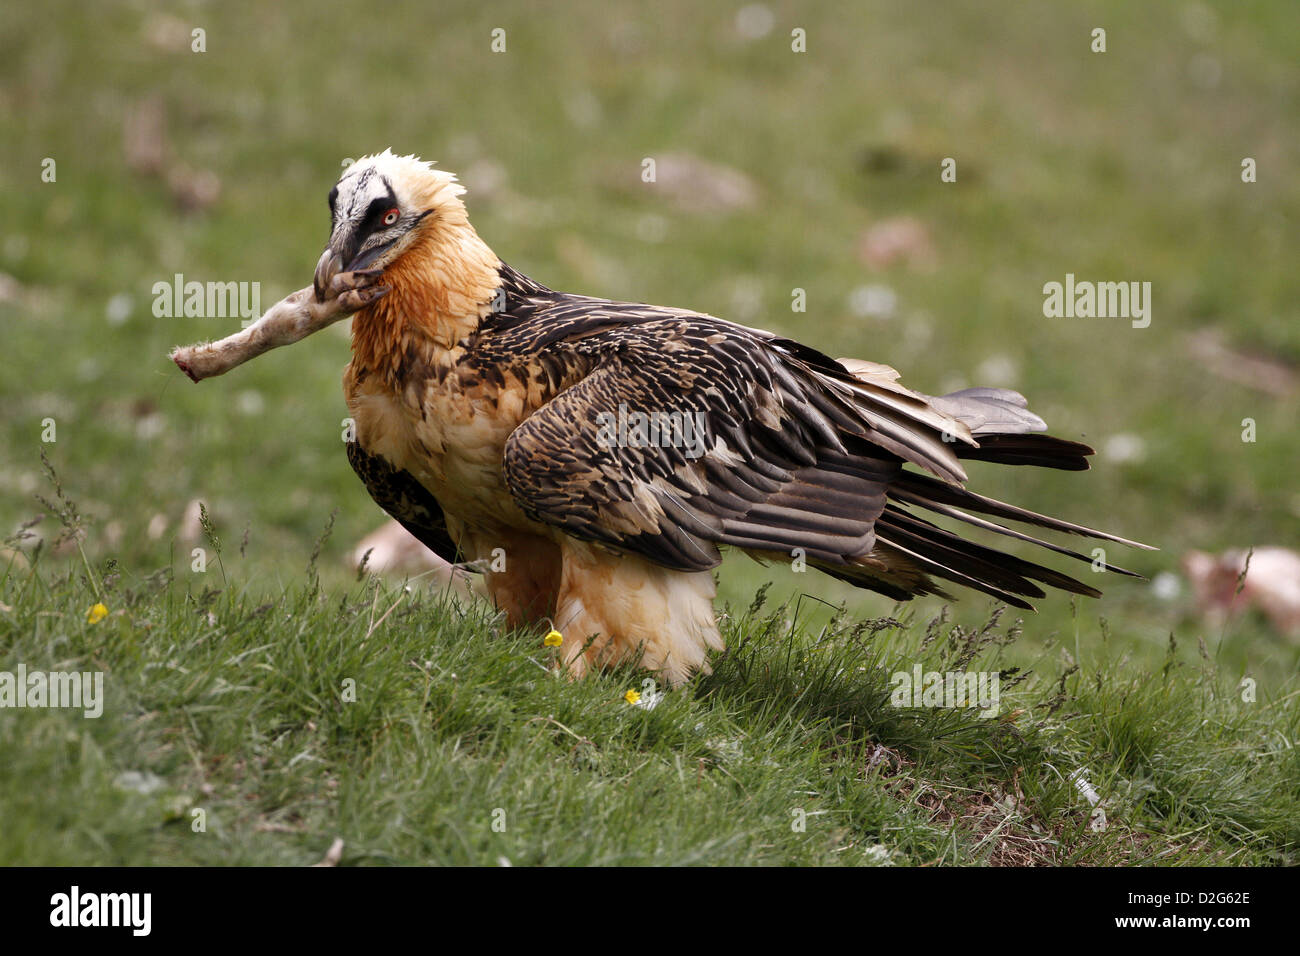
<point x="329" y="265"/>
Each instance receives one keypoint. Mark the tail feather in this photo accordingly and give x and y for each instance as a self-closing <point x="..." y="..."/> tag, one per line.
<point x="990" y="411"/>
<point x="927" y="489"/>
<point x="902" y="582"/>
<point x="918" y="545"/>
<point x="1043" y="451"/>
<point x="952" y="574"/>
<point x="947" y="511"/>
<point x="1004" y="570"/>
<point x="977" y="424"/>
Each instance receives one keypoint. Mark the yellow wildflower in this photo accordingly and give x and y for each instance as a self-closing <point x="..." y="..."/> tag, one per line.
<point x="631" y="697"/>
<point x="553" y="639"/>
<point x="96" y="614"/>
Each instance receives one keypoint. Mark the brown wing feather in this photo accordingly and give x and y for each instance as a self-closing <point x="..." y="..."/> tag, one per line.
<point x="776" y="473"/>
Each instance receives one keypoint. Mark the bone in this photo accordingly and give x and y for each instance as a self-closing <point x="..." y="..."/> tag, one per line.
<point x="290" y="320"/>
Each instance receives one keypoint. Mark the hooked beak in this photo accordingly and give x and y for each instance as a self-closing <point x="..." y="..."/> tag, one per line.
<point x="342" y="255"/>
<point x="330" y="265"/>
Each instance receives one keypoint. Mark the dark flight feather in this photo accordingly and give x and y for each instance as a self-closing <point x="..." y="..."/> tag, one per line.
<point x="406" y="500"/>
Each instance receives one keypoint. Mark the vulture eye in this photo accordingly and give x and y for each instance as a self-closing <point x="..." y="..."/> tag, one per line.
<point x="391" y="216"/>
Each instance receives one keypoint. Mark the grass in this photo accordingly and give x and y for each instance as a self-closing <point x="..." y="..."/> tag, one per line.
<point x="1123" y="165"/>
<point x="241" y="731"/>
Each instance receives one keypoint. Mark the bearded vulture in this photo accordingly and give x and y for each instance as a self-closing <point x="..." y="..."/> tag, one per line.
<point x="592" y="457"/>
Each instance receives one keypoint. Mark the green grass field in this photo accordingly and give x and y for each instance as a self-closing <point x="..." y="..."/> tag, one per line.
<point x="225" y="688"/>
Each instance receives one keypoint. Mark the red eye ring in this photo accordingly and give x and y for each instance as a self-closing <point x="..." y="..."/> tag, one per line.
<point x="392" y="216"/>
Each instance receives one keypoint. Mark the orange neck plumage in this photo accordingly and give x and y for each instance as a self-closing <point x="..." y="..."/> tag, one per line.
<point x="441" y="287"/>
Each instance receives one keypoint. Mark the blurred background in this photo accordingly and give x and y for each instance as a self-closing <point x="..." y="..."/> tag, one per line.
<point x="777" y="170"/>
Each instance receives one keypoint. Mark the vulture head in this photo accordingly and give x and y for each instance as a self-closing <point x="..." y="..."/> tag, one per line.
<point x="380" y="208"/>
